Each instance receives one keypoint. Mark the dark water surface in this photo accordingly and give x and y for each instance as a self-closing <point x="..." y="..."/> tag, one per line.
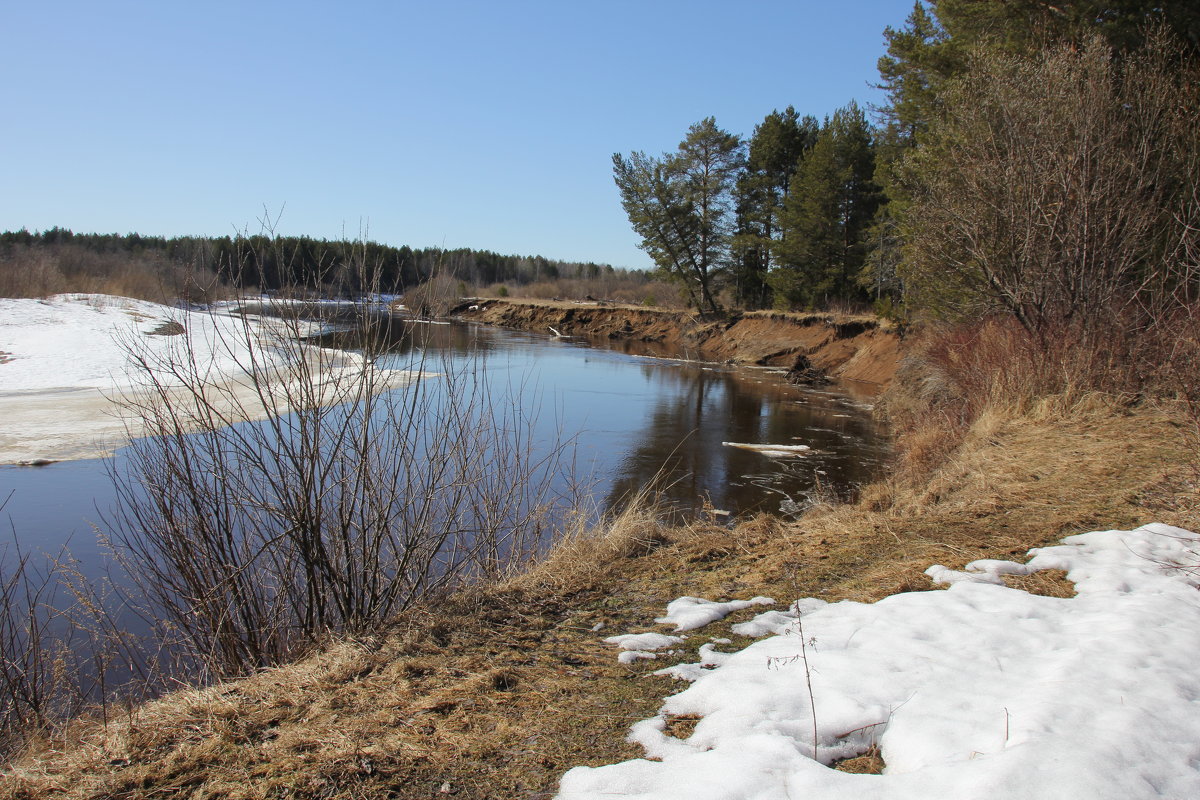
<point x="635" y="418"/>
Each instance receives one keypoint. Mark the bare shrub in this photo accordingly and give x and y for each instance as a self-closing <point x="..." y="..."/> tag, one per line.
<point x="28" y="272"/>
<point x="1174" y="365"/>
<point x="356" y="496"/>
<point x="435" y="297"/>
<point x="31" y="672"/>
<point x="63" y="651"/>
<point x="1060" y="189"/>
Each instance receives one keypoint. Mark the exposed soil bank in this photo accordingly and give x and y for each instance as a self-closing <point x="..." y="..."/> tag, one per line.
<point x="851" y="348"/>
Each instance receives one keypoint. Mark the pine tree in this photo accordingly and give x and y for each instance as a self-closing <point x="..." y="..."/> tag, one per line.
<point x="939" y="35"/>
<point x="776" y="148"/>
<point x="920" y="57"/>
<point x="681" y="205"/>
<point x="828" y="210"/>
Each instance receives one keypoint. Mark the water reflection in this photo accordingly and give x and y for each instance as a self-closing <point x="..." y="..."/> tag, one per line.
<point x="699" y="408"/>
<point x="643" y="415"/>
<point x="648" y="417"/>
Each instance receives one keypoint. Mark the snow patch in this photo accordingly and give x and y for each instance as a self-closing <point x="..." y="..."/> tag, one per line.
<point x="643" y="641"/>
<point x="977" y="691"/>
<point x="689" y="613"/>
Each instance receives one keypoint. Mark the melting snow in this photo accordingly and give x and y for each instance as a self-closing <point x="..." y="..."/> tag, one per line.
<point x="977" y="691"/>
<point x="644" y="641"/>
<point x="689" y="613"/>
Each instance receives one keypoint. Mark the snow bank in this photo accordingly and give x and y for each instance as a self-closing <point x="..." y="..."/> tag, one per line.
<point x="976" y="691"/>
<point x="64" y="360"/>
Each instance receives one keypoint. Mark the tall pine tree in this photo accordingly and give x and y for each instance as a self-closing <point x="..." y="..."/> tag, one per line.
<point x="682" y="206"/>
<point x="935" y="43"/>
<point x="829" y="206"/>
<point x="776" y="148"/>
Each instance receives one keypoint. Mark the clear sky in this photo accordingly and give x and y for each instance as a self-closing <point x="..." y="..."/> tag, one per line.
<point x="460" y="124"/>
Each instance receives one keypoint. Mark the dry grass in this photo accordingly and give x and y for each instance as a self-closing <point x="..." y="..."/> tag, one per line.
<point x="1047" y="583"/>
<point x="953" y="377"/>
<point x="833" y="317"/>
<point x="499" y="692"/>
<point x="869" y="763"/>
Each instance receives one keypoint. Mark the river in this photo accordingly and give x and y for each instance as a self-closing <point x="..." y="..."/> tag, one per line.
<point x="633" y="418"/>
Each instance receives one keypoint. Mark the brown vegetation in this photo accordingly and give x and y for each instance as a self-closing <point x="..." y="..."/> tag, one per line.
<point x="1060" y="189"/>
<point x="615" y="287"/>
<point x="27" y="271"/>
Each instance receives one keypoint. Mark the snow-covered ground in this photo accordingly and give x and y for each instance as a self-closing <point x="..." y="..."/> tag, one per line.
<point x="65" y="363"/>
<point x="979" y="691"/>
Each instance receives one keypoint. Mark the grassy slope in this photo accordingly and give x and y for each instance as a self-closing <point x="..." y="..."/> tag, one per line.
<point x="498" y="694"/>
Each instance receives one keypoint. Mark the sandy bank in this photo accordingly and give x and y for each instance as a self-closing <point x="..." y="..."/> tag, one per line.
<point x="83" y="422"/>
<point x="851" y="348"/>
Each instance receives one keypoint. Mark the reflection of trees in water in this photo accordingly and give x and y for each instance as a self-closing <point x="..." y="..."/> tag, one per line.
<point x="402" y="336"/>
<point x="676" y="438"/>
<point x="698" y="409"/>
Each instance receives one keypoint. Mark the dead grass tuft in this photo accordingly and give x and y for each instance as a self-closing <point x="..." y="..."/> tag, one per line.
<point x="1048" y="583"/>
<point x="869" y="763"/>
<point x="681" y="726"/>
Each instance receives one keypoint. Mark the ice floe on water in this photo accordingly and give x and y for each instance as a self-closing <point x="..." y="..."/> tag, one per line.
<point x="772" y="450"/>
<point x="977" y="691"/>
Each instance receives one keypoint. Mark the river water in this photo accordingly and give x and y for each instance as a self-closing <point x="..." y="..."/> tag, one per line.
<point x="633" y="417"/>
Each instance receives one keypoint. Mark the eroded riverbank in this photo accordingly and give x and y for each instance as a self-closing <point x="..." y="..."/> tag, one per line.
<point x="861" y="349"/>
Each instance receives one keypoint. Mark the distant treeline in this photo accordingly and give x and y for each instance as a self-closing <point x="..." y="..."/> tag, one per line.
<point x="270" y="262"/>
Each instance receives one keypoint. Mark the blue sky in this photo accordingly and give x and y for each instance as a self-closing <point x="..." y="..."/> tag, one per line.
<point x="460" y="124"/>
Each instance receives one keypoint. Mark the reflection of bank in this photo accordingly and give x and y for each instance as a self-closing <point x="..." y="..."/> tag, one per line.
<point x="793" y="443"/>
